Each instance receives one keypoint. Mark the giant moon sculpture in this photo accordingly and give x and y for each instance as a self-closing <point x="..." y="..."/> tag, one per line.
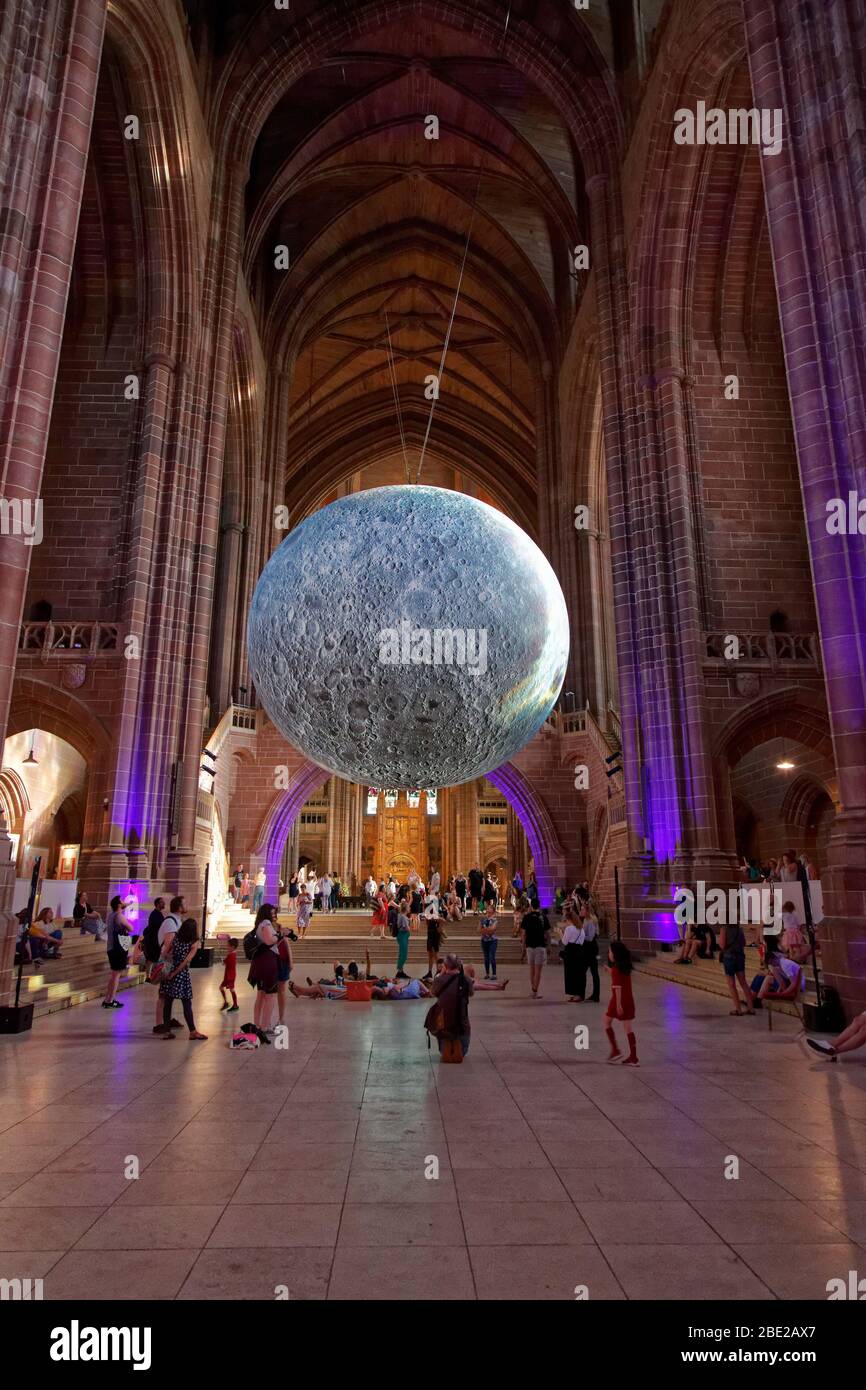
<point x="408" y="637"/>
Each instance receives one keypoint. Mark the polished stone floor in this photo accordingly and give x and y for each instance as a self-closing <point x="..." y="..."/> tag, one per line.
<point x="304" y="1169"/>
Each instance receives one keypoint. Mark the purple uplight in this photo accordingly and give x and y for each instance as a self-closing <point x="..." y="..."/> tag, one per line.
<point x="665" y="927"/>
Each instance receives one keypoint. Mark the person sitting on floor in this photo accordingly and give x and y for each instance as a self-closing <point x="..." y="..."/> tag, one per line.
<point x="854" y="1036"/>
<point x="314" y="991"/>
<point x="784" y="978"/>
<point x="400" y="989"/>
<point x="469" y="970"/>
<point x="484" y="984"/>
<point x="383" y="988"/>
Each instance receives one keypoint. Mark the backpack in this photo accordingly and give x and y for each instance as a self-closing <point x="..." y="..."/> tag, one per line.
<point x="251" y="943"/>
<point x="150" y="941"/>
<point x="392" y="920"/>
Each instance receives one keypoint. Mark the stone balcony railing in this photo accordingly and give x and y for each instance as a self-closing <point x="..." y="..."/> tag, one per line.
<point x="583" y="721"/>
<point x="69" y="639"/>
<point x="244" y="717"/>
<point x="776" y="650"/>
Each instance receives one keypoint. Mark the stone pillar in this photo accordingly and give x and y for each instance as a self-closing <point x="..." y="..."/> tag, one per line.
<point x="556" y="532"/>
<point x="226" y="618"/>
<point x="134" y="828"/>
<point x="50" y="52"/>
<point x="336" y="845"/>
<point x="809" y="61"/>
<point x="655" y="554"/>
<point x="357" y="865"/>
<point x="294" y="845"/>
<point x="206" y="464"/>
<point x="466" y="826"/>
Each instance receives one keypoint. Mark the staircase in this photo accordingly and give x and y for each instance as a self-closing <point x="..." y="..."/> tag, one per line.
<point x="613" y="851"/>
<point x="345" y="935"/>
<point x="80" y="974"/>
<point x="708" y="975"/>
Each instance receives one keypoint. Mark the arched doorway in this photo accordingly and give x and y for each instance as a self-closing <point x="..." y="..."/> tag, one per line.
<point x="548" y="858"/>
<point x="776" y="782"/>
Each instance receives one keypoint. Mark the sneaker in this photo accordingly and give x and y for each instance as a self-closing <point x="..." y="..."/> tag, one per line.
<point x="630" y="1062"/>
<point x="175" y="1023"/>
<point x="615" y="1056"/>
<point x="158" y="1028"/>
<point x="818" y="1045"/>
<point x="224" y="1008"/>
<point x="493" y="977"/>
<point x="234" y="1009"/>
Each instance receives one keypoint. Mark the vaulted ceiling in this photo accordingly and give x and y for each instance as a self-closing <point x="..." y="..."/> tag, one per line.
<point x="381" y="225"/>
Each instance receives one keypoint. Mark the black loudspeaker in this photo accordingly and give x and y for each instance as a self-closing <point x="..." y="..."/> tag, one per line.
<point x="826" y="1017"/>
<point x="16" y="1019"/>
<point x="203" y="958"/>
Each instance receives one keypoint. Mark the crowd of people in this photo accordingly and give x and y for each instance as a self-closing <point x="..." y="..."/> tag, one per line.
<point x="785" y="947"/>
<point x="788" y="867"/>
<point x="327" y="891"/>
<point x="167" y="945"/>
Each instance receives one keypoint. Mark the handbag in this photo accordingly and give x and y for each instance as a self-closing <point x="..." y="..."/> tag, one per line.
<point x="435" y="1020"/>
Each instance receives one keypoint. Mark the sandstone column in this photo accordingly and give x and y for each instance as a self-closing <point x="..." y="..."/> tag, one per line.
<point x="198" y="558"/>
<point x="809" y="61"/>
<point x="50" y="53"/>
<point x="672" y="833"/>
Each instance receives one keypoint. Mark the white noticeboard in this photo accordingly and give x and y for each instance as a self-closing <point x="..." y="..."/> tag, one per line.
<point x="752" y="910"/>
<point x="58" y="893"/>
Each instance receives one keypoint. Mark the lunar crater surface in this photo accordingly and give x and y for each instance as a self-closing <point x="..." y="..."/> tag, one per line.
<point x="408" y="637"/>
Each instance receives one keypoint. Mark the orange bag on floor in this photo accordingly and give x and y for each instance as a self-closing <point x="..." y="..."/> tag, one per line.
<point x="359" y="991"/>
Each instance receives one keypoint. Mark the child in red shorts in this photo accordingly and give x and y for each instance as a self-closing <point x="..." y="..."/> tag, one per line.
<point x="230" y="975"/>
<point x="621" y="1005"/>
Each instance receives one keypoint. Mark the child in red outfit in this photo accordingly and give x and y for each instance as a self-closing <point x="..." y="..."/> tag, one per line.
<point x="230" y="975"/>
<point x="621" y="1003"/>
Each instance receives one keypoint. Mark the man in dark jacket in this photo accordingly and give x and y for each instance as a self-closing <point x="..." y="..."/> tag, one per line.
<point x="452" y="988"/>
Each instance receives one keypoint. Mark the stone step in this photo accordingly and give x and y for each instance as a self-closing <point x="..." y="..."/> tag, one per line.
<point x="317" y="948"/>
<point x="79" y="975"/>
<point x="708" y="975"/>
<point x="238" y="922"/>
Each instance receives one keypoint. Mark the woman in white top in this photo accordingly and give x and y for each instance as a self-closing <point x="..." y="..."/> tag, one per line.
<point x="574" y="968"/>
